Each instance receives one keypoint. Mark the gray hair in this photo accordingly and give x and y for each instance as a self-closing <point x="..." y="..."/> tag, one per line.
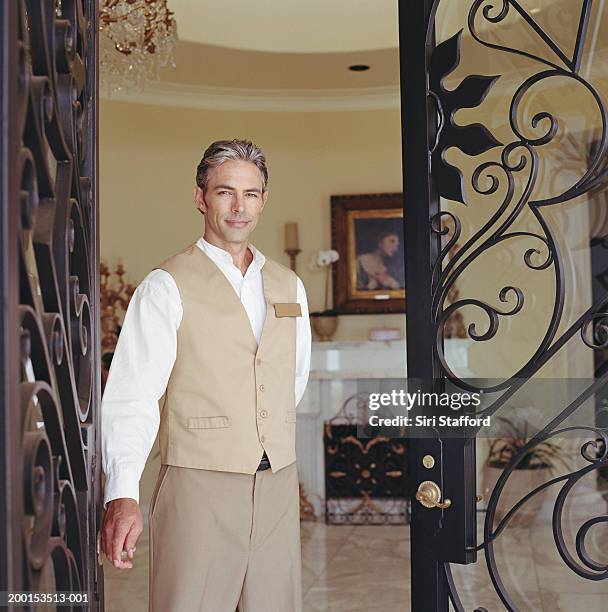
<point x="222" y="151"/>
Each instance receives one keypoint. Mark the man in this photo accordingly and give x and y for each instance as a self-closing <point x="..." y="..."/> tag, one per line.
<point x="222" y="333"/>
<point x="372" y="268"/>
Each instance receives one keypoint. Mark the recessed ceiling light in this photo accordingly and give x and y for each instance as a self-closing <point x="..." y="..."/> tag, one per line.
<point x="358" y="67"/>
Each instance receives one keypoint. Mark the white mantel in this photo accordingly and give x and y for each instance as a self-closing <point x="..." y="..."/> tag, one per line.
<point x="335" y="360"/>
<point x="334" y="371"/>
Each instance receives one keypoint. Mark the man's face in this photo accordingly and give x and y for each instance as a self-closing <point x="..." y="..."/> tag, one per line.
<point x="232" y="201"/>
<point x="389" y="245"/>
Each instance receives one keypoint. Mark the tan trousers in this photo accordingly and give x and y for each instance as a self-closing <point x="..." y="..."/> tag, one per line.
<point x="222" y="541"/>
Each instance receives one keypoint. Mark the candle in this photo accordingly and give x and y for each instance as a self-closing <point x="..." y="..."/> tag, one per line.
<point x="291" y="236"/>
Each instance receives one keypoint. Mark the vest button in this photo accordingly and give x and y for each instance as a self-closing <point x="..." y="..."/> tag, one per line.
<point x="263" y="413"/>
<point x="262" y="387"/>
<point x="258" y="361"/>
<point x="262" y="438"/>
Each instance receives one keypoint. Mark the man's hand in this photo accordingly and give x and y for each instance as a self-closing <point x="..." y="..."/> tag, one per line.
<point x="122" y="525"/>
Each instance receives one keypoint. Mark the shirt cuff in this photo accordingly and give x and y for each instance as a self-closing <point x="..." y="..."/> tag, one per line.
<point x="121" y="483"/>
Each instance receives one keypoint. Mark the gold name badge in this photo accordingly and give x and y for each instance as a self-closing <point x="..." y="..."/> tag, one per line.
<point x="288" y="310"/>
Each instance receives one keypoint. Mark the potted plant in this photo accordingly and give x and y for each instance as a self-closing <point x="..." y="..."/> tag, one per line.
<point x="325" y="322"/>
<point x="537" y="466"/>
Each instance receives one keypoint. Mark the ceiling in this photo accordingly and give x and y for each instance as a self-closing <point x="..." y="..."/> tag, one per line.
<point x="215" y="66"/>
<point x="295" y="54"/>
<point x="289" y="26"/>
<point x="291" y="55"/>
<point x="287" y="45"/>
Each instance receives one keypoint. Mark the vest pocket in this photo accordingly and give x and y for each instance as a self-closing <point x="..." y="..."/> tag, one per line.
<point x="290" y="417"/>
<point x="214" y="422"/>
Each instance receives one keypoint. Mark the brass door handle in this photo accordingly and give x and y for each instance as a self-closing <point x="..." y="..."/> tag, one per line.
<point x="429" y="495"/>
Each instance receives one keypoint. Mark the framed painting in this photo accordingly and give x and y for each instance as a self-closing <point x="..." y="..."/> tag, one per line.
<point x="367" y="232"/>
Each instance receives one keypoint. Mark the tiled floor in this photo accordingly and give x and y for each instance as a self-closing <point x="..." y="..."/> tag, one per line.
<point x="365" y="569"/>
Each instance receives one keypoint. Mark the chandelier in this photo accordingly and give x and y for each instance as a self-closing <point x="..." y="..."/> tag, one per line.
<point x="136" y="40"/>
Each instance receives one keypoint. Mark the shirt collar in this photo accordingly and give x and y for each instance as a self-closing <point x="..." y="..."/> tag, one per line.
<point x="218" y="254"/>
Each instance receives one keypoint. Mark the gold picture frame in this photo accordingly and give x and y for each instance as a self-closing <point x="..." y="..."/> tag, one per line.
<point x="367" y="232"/>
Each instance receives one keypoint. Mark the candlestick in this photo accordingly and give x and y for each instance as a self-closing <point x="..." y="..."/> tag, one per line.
<point x="291" y="236"/>
<point x="293" y="253"/>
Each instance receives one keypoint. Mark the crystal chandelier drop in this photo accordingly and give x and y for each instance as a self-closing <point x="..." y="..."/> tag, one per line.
<point x="137" y="39"/>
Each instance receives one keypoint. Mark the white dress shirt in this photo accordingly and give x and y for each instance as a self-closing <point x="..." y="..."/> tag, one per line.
<point x="145" y="354"/>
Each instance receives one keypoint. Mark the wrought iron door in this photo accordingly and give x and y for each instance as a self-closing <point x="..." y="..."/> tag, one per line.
<point x="504" y="146"/>
<point x="50" y="357"/>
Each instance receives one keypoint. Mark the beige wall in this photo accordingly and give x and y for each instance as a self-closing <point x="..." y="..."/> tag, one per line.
<point x="148" y="156"/>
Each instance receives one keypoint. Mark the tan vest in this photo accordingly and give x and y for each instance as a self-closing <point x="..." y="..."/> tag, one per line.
<point x="228" y="399"/>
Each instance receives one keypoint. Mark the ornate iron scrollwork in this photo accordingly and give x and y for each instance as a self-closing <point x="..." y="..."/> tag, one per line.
<point x="55" y="148"/>
<point x="509" y="185"/>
